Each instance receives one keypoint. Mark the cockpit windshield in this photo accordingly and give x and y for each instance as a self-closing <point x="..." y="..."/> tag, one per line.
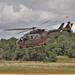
<point x="23" y="38"/>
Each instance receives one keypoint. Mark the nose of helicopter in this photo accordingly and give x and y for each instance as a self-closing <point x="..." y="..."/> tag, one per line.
<point x="17" y="42"/>
<point x="21" y="41"/>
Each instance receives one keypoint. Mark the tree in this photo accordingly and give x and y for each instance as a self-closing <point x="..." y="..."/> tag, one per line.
<point x="58" y="44"/>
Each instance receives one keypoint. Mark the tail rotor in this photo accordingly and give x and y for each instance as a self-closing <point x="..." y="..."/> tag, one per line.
<point x="69" y="24"/>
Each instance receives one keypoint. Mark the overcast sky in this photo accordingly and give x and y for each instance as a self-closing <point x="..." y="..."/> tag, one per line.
<point x="29" y="13"/>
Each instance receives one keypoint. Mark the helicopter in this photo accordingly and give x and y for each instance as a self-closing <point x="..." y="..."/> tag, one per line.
<point x="38" y="37"/>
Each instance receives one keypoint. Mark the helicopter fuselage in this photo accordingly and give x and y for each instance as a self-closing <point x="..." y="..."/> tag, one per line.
<point x="33" y="38"/>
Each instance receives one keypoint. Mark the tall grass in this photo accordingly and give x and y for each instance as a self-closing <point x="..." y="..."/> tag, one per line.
<point x="64" y="65"/>
<point x="65" y="59"/>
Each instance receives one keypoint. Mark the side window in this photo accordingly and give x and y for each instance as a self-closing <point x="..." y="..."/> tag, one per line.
<point x="37" y="36"/>
<point x="32" y="37"/>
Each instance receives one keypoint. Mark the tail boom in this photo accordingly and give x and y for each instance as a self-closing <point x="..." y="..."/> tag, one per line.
<point x="67" y="28"/>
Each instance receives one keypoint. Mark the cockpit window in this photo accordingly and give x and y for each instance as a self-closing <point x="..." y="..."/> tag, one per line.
<point x="27" y="37"/>
<point x="21" y="38"/>
<point x="24" y="37"/>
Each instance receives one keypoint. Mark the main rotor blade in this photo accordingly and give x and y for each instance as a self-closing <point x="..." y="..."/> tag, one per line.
<point x="44" y="22"/>
<point x="23" y="31"/>
<point x="17" y="29"/>
<point x="27" y="28"/>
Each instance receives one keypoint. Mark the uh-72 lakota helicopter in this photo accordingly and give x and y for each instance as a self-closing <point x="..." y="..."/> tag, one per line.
<point x="38" y="36"/>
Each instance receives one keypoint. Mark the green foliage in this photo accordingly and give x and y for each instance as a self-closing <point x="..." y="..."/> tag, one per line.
<point x="51" y="57"/>
<point x="71" y="53"/>
<point x="58" y="44"/>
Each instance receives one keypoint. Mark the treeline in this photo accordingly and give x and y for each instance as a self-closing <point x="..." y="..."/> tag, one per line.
<point x="58" y="44"/>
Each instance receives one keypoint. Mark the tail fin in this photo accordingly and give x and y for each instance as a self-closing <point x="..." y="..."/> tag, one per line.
<point x="69" y="26"/>
<point x="61" y="26"/>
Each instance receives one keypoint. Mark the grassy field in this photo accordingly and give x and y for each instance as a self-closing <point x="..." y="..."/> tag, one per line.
<point x="64" y="65"/>
<point x="65" y="59"/>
